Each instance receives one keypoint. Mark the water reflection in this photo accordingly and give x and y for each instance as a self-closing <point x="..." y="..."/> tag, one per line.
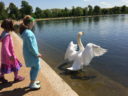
<point x="73" y="74"/>
<point x="96" y="19"/>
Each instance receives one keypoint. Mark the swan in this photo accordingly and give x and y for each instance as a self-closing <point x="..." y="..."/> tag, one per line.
<point x="84" y="55"/>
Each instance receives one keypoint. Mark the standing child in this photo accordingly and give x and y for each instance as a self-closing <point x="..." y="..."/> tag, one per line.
<point x="30" y="50"/>
<point x="9" y="62"/>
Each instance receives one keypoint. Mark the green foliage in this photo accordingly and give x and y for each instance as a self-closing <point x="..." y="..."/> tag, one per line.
<point x="97" y="10"/>
<point x="105" y="11"/>
<point x="90" y="10"/>
<point x="85" y="11"/>
<point x="38" y="13"/>
<point x="3" y="11"/>
<point x="66" y="12"/>
<point x="124" y="9"/>
<point x="116" y="10"/>
<point x="56" y="13"/>
<point x="73" y="11"/>
<point x="12" y="11"/>
<point x="26" y="9"/>
<point x="47" y="13"/>
<point x="78" y="11"/>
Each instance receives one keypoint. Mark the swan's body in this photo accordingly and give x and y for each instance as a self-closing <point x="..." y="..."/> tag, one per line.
<point x="83" y="56"/>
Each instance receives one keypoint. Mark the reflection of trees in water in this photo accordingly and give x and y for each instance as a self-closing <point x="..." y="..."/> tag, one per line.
<point x="123" y="18"/>
<point x="54" y="22"/>
<point x="81" y="74"/>
<point x="38" y="26"/>
<point x="90" y="20"/>
<point x="96" y="19"/>
<point x="114" y="17"/>
<point x="93" y="19"/>
<point x="77" y="21"/>
<point x="66" y="22"/>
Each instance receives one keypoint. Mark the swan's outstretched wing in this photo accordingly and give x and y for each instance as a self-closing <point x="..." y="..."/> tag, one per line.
<point x="98" y="51"/>
<point x="90" y="51"/>
<point x="71" y="51"/>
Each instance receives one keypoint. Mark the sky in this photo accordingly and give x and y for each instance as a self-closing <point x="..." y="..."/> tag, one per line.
<point x="48" y="4"/>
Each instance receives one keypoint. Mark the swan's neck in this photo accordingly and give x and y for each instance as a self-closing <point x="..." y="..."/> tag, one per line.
<point x="80" y="44"/>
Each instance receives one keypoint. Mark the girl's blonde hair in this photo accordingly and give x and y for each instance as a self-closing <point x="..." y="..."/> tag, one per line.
<point x="26" y="21"/>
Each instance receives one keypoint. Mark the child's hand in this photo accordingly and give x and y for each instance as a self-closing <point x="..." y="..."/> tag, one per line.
<point x="11" y="58"/>
<point x="40" y="55"/>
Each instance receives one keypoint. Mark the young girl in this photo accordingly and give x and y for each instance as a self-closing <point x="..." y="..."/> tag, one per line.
<point x="30" y="50"/>
<point x="9" y="62"/>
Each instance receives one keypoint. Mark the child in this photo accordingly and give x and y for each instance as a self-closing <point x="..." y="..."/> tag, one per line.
<point x="9" y="62"/>
<point x="30" y="50"/>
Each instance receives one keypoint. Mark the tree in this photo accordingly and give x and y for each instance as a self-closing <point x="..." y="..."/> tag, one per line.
<point x="38" y="13"/>
<point x="13" y="11"/>
<point x="97" y="10"/>
<point x="3" y="11"/>
<point x="73" y="11"/>
<point x="26" y="9"/>
<point x="116" y="10"/>
<point x="47" y="13"/>
<point x="78" y="11"/>
<point x="56" y="12"/>
<point x="90" y="10"/>
<point x="123" y="9"/>
<point x="104" y="11"/>
<point x="66" y="12"/>
<point x="85" y="11"/>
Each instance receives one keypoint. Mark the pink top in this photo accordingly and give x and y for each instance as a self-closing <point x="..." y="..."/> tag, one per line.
<point x="7" y="49"/>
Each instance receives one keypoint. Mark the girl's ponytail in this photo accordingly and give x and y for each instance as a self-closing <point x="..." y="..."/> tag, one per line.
<point x="22" y="28"/>
<point x="26" y="21"/>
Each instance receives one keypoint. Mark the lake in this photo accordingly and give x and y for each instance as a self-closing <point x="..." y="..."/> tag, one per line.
<point x="110" y="32"/>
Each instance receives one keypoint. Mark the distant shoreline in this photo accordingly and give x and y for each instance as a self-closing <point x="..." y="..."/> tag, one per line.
<point x="72" y="17"/>
<point x="61" y="18"/>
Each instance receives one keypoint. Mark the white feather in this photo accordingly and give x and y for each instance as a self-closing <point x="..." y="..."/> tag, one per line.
<point x="77" y="64"/>
<point x="71" y="51"/>
<point x="98" y="51"/>
<point x="91" y="50"/>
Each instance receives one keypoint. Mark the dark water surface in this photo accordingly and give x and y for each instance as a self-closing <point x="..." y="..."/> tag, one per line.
<point x="110" y="32"/>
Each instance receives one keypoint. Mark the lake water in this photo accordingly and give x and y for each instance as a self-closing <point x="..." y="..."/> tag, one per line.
<point x="110" y="32"/>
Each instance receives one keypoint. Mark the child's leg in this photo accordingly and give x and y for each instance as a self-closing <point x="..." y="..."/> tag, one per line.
<point x="17" y="77"/>
<point x="2" y="78"/>
<point x="16" y="74"/>
<point x="34" y="72"/>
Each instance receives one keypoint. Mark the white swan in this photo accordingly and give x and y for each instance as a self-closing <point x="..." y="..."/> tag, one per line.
<point x="83" y="56"/>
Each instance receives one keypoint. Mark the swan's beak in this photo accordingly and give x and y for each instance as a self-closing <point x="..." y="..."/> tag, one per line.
<point x="81" y="33"/>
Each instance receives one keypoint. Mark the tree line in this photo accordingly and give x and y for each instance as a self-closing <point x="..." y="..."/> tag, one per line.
<point x="12" y="11"/>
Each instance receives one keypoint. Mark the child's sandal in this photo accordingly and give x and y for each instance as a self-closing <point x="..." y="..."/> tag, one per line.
<point x="18" y="79"/>
<point x="3" y="80"/>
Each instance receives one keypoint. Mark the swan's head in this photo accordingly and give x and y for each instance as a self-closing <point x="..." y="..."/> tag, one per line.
<point x="81" y="33"/>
